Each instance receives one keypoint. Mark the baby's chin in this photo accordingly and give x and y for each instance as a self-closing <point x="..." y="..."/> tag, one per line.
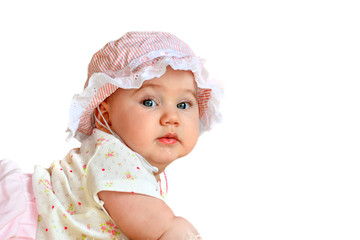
<point x="161" y="161"/>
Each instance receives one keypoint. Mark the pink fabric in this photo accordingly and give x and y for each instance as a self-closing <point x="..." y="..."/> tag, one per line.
<point x="18" y="214"/>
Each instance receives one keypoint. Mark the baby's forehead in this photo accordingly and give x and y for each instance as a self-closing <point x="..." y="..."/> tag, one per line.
<point x="155" y="83"/>
<point x="176" y="80"/>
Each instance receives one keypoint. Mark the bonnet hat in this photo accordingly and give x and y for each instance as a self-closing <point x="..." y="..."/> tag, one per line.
<point x="128" y="62"/>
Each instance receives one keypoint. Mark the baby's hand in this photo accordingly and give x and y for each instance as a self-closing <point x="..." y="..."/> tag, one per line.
<point x="144" y="217"/>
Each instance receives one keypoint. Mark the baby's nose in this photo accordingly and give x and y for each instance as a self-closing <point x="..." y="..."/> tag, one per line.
<point x="170" y="117"/>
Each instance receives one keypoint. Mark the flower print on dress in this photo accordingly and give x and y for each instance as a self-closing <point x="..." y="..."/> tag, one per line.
<point x="71" y="209"/>
<point x="129" y="176"/>
<point x="109" y="154"/>
<point x="101" y="141"/>
<point x="85" y="171"/>
<point x="52" y="166"/>
<point x="47" y="185"/>
<point x="83" y="237"/>
<point x="109" y="184"/>
<point x="110" y="228"/>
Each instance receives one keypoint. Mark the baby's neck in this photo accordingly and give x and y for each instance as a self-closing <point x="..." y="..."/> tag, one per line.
<point x="157" y="176"/>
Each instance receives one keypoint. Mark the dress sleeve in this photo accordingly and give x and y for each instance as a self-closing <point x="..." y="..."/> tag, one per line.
<point x="114" y="167"/>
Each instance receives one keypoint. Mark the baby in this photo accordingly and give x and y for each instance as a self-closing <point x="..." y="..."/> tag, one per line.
<point x="145" y="103"/>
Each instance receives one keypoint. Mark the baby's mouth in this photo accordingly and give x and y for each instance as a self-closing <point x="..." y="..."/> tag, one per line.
<point x="169" y="139"/>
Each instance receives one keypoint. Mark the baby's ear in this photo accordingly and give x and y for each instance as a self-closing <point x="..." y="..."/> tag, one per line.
<point x="102" y="114"/>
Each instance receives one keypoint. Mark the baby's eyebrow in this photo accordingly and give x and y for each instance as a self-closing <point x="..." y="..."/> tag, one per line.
<point x="154" y="85"/>
<point x="191" y="91"/>
<point x="146" y="85"/>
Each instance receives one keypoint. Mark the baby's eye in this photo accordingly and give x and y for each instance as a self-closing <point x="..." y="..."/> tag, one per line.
<point x="149" y="103"/>
<point x="183" y="105"/>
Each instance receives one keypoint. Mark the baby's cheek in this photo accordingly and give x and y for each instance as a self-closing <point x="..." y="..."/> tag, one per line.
<point x="191" y="140"/>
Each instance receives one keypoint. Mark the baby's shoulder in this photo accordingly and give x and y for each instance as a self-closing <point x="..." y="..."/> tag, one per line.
<point x="97" y="141"/>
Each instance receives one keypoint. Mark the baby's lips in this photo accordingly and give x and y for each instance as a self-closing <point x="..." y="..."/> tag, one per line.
<point x="168" y="140"/>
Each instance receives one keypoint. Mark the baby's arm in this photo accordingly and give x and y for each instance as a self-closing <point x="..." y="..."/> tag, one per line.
<point x="144" y="217"/>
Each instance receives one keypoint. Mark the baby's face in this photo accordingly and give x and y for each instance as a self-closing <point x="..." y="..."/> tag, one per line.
<point x="160" y="120"/>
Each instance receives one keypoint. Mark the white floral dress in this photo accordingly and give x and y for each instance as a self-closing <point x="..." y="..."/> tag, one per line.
<point x="66" y="193"/>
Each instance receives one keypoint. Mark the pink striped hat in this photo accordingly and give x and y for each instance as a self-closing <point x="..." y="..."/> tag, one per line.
<point x="128" y="62"/>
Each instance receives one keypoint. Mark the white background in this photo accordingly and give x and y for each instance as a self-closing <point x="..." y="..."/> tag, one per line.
<point x="284" y="163"/>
